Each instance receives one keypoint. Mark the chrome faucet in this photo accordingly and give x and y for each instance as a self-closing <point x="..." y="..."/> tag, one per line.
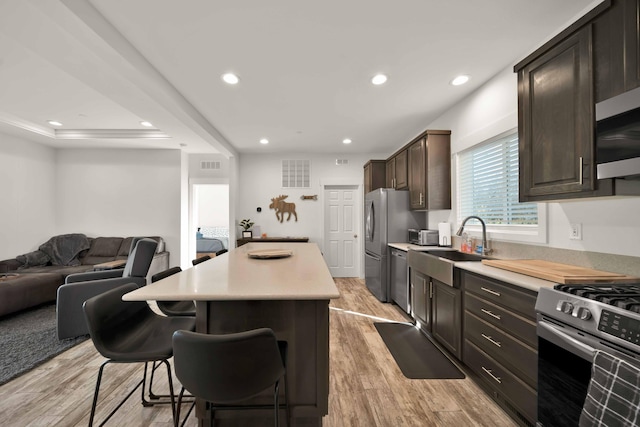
<point x="485" y="249"/>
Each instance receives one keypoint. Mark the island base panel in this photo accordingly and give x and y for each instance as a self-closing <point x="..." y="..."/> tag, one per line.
<point x="304" y="324"/>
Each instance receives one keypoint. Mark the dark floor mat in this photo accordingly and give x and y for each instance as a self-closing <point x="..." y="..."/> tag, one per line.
<point x="415" y="355"/>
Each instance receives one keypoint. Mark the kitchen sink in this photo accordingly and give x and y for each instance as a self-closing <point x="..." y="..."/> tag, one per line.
<point x="456" y="255"/>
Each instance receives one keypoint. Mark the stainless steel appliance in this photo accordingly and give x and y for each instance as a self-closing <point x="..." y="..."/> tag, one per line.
<point x="618" y="136"/>
<point x="572" y="322"/>
<point x="399" y="279"/>
<point x="387" y="218"/>
<point x="423" y="237"/>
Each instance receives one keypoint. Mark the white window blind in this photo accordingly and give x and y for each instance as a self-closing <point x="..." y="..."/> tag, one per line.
<point x="295" y="174"/>
<point x="488" y="184"/>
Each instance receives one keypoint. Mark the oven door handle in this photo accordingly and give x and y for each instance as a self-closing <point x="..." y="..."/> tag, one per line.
<point x="564" y="340"/>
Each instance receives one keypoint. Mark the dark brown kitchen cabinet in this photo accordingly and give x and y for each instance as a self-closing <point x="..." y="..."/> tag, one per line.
<point x="374" y="175"/>
<point x="500" y="342"/>
<point x="556" y="120"/>
<point x="429" y="174"/>
<point x="397" y="171"/>
<point x="421" y="298"/>
<point x="616" y="49"/>
<point x="446" y="323"/>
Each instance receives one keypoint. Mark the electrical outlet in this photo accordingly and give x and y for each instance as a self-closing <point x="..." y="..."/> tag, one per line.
<point x="575" y="232"/>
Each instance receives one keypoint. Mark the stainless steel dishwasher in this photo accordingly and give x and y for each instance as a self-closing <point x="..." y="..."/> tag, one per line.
<point x="399" y="279"/>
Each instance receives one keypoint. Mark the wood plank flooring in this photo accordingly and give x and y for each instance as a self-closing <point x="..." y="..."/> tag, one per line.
<point x="366" y="386"/>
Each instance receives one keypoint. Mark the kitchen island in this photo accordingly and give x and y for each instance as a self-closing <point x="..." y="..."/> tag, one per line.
<point x="290" y="295"/>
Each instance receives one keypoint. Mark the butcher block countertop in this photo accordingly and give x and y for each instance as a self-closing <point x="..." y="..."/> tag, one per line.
<point x="559" y="273"/>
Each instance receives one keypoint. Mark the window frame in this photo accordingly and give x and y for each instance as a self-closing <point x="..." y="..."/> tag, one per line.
<point x="503" y="232"/>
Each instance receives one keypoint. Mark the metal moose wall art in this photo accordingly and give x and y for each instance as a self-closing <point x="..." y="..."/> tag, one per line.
<point x="283" y="207"/>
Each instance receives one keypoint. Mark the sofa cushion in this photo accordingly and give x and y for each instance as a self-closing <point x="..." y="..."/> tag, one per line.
<point x="33" y="259"/>
<point x="28" y="290"/>
<point x="103" y="249"/>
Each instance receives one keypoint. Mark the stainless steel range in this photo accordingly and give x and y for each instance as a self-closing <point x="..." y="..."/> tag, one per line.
<point x="572" y="322"/>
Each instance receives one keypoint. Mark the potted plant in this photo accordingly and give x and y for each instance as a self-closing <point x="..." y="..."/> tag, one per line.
<point x="246" y="224"/>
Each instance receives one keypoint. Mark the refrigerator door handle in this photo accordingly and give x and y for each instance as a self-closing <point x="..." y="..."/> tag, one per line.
<point x="370" y="221"/>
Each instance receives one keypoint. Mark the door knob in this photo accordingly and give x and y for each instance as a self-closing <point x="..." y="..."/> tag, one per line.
<point x="355" y="236"/>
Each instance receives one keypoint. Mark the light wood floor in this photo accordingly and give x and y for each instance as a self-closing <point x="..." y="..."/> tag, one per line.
<point x="366" y="386"/>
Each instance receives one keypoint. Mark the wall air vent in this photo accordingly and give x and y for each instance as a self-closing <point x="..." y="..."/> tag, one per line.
<point x="295" y="174"/>
<point x="209" y="165"/>
<point x="340" y="162"/>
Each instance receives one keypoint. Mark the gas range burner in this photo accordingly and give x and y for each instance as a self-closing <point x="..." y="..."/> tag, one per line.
<point x="626" y="296"/>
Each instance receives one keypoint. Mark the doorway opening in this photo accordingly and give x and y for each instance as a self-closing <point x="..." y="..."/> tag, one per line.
<point x="210" y="218"/>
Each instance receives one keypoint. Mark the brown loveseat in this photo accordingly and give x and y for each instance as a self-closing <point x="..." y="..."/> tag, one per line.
<point x="34" y="278"/>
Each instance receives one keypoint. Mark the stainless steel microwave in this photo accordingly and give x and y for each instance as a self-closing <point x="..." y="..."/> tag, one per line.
<point x="423" y="237"/>
<point x="618" y="136"/>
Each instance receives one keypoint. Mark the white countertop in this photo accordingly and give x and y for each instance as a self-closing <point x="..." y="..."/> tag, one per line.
<point x="528" y="282"/>
<point x="234" y="276"/>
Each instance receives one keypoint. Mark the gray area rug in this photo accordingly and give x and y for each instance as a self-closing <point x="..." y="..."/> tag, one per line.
<point x="28" y="339"/>
<point x="415" y="355"/>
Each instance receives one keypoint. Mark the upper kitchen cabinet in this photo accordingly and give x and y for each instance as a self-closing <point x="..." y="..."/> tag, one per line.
<point x="430" y="170"/>
<point x="374" y="175"/>
<point x="557" y="88"/>
<point x="556" y="120"/>
<point x="397" y="171"/>
<point x="616" y="49"/>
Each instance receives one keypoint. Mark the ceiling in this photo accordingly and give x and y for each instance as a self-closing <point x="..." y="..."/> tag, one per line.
<point x="100" y="67"/>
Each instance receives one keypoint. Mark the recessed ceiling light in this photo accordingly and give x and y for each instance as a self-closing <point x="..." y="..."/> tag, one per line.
<point x="264" y="141"/>
<point x="379" y="79"/>
<point x="146" y="124"/>
<point x="230" y="78"/>
<point x="346" y="141"/>
<point x="460" y="80"/>
<point x="54" y="123"/>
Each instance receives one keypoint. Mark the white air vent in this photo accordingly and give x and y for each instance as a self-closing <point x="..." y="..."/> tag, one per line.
<point x="340" y="162"/>
<point x="295" y="174"/>
<point x="209" y="165"/>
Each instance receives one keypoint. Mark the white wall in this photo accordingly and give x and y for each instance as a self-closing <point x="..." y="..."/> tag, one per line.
<point x="260" y="180"/>
<point x="120" y="193"/>
<point x="27" y="195"/>
<point x="212" y="201"/>
<point x="608" y="225"/>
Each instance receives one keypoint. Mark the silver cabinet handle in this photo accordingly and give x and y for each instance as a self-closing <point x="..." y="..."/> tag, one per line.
<point x="488" y="371"/>
<point x="489" y="313"/>
<point x="491" y="340"/>
<point x="580" y="170"/>
<point x="421" y="202"/>
<point x="490" y="291"/>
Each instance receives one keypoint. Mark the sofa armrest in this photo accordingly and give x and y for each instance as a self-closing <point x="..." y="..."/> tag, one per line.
<point x="8" y="265"/>
<point x="93" y="275"/>
<point x="71" y="296"/>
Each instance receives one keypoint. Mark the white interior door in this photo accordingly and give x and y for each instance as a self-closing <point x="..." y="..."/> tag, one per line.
<point x="341" y="228"/>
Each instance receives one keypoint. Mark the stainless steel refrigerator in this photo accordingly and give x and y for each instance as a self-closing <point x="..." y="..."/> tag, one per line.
<point x="387" y="218"/>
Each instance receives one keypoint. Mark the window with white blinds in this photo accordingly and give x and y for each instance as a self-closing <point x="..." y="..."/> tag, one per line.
<point x="295" y="174"/>
<point x="488" y="185"/>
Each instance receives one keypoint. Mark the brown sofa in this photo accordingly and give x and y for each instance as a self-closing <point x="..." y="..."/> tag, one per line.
<point x="33" y="279"/>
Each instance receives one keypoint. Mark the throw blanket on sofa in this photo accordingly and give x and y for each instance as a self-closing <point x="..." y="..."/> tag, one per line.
<point x="64" y="249"/>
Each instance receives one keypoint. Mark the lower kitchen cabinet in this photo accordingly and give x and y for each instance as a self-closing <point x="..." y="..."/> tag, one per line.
<point x="500" y="343"/>
<point x="446" y="324"/>
<point x="420" y="299"/>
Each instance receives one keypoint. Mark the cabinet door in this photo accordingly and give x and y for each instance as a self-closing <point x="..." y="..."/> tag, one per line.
<point x="367" y="178"/>
<point x="391" y="173"/>
<point x="401" y="169"/>
<point x="632" y="44"/>
<point x="417" y="175"/>
<point x="420" y="301"/>
<point x="447" y="316"/>
<point x="556" y="120"/>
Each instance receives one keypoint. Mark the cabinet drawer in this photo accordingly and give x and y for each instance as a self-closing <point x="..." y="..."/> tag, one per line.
<point x="501" y="293"/>
<point x="524" y="329"/>
<point x="510" y="387"/>
<point x="503" y="347"/>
